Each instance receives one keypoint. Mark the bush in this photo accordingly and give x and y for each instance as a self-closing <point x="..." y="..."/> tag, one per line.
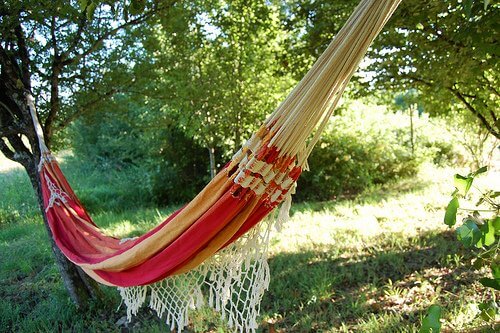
<point x="366" y="145"/>
<point x="144" y="161"/>
<point x="180" y="169"/>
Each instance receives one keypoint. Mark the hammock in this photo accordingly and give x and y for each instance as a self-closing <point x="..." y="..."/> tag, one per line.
<point x="212" y="243"/>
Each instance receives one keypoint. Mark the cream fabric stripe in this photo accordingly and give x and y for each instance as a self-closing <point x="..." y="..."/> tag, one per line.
<point x="163" y="237"/>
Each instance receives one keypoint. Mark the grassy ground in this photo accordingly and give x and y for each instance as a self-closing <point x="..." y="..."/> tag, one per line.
<point x="370" y="264"/>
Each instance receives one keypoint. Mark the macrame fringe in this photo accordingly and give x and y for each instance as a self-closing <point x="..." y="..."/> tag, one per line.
<point x="233" y="282"/>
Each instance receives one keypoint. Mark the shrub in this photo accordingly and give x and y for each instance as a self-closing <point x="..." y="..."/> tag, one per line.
<point x="144" y="162"/>
<point x="366" y="145"/>
<point x="179" y="169"/>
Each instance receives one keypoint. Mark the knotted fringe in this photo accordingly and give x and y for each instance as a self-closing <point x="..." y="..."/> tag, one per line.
<point x="233" y="282"/>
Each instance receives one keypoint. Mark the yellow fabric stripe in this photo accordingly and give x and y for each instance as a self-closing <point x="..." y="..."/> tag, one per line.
<point x="162" y="238"/>
<point x="222" y="238"/>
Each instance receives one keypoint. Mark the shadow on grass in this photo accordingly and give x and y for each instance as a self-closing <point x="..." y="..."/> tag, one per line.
<point x="314" y="291"/>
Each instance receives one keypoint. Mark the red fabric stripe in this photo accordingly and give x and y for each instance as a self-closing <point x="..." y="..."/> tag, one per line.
<point x="80" y="242"/>
<point x="188" y="244"/>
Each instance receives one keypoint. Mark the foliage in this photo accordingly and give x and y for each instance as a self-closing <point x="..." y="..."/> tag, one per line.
<point x="179" y="169"/>
<point x="168" y="166"/>
<point x="447" y="53"/>
<point x="480" y="232"/>
<point x="73" y="55"/>
<point x="431" y="323"/>
<point x="367" y="145"/>
<point x="477" y="145"/>
<point x="217" y="65"/>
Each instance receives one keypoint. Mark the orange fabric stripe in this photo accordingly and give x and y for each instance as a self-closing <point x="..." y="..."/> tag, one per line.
<point x="156" y="242"/>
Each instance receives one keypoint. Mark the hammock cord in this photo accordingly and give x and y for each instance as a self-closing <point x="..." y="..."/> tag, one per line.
<point x="310" y="105"/>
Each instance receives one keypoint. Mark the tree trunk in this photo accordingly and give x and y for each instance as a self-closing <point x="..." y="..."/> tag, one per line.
<point x="213" y="168"/>
<point x="412" y="133"/>
<point x="81" y="288"/>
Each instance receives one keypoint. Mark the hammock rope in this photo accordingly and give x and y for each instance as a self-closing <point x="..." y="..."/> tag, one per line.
<point x="214" y="240"/>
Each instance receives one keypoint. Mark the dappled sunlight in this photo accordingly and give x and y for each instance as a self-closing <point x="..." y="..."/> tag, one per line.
<point x="410" y="213"/>
<point x="121" y="229"/>
<point x="389" y="276"/>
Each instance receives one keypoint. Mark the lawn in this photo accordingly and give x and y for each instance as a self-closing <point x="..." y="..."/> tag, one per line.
<point x="373" y="263"/>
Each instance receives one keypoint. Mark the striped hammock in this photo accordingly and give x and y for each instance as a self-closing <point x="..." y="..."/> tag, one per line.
<point x="212" y="244"/>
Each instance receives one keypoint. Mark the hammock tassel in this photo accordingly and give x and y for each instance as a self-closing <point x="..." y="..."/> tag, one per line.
<point x="284" y="212"/>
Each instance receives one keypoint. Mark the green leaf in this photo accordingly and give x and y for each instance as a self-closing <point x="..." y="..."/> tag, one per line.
<point x="496" y="224"/>
<point x="488" y="234"/>
<point x="462" y="183"/>
<point x="480" y="201"/>
<point x="90" y="10"/>
<point x="479" y="171"/>
<point x="468" y="7"/>
<point x="420" y="26"/>
<point x="125" y="13"/>
<point x="137" y="6"/>
<point x="486" y="3"/>
<point x="450" y="217"/>
<point x="490" y="283"/>
<point x="431" y="322"/>
<point x="478" y="263"/>
<point x="488" y="310"/>
<point x="495" y="270"/>
<point x="83" y="4"/>
<point x="469" y="234"/>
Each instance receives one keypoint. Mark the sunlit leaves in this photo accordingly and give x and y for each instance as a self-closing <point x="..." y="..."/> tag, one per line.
<point x="462" y="183"/>
<point x="219" y="68"/>
<point x="450" y="217"/>
<point x="480" y="232"/>
<point x="431" y="323"/>
<point x="487" y="234"/>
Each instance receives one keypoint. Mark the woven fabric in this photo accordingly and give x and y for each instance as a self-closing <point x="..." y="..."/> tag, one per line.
<point x="241" y="195"/>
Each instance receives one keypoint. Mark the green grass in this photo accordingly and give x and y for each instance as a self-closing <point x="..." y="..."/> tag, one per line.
<point x="370" y="264"/>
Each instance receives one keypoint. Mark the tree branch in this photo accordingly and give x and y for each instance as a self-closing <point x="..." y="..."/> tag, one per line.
<point x="63" y="123"/>
<point x="53" y="37"/>
<point x="491" y="86"/>
<point x="110" y="33"/>
<point x="467" y="104"/>
<point x="78" y="34"/>
<point x="24" y="56"/>
<point x="6" y="150"/>
<point x="471" y="108"/>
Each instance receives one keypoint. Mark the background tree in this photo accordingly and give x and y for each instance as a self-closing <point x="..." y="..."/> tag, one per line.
<point x="218" y="69"/>
<point x="50" y="50"/>
<point x="448" y="53"/>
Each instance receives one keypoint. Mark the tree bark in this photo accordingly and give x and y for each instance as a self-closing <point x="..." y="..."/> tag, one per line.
<point x="213" y="168"/>
<point x="81" y="288"/>
<point x="15" y="121"/>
